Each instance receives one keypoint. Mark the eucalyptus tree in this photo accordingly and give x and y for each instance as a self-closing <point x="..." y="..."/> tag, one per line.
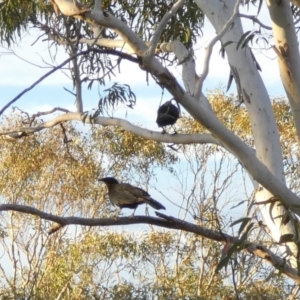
<point x="155" y="34"/>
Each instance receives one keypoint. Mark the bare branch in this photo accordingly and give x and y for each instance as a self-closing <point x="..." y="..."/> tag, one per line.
<point x="126" y="33"/>
<point x="166" y="222"/>
<point x="168" y="15"/>
<point x="186" y="59"/>
<point x="107" y="43"/>
<point x="209" y="48"/>
<point x="43" y="113"/>
<point x="254" y="19"/>
<point x="145" y="133"/>
<point x="113" y="52"/>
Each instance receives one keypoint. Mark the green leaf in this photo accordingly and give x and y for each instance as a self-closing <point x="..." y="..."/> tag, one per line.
<point x="243" y="225"/>
<point x="270" y="210"/>
<point x="230" y="79"/>
<point x="223" y="263"/>
<point x="243" y="37"/>
<point x="240" y="203"/>
<point x="245" y="236"/>
<point x="245" y="219"/>
<point x="286" y="238"/>
<point x="248" y="39"/>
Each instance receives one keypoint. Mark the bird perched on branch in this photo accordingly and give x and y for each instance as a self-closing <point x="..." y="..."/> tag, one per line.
<point x="167" y="114"/>
<point x="125" y="195"/>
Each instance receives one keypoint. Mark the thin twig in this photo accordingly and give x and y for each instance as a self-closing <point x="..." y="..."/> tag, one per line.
<point x="112" y="52"/>
<point x="43" y="113"/>
<point x="106" y="121"/>
<point x="256" y="20"/>
<point x="209" y="49"/>
<point x="168" y="15"/>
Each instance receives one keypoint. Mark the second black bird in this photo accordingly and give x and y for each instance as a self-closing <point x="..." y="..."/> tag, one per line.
<point x="167" y="114"/>
<point x="125" y="195"/>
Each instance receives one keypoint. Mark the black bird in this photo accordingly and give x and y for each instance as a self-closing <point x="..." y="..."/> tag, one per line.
<point x="167" y="114"/>
<point x="125" y="195"/>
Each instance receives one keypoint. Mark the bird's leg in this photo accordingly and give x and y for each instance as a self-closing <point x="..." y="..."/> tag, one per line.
<point x="163" y="131"/>
<point x="132" y="215"/>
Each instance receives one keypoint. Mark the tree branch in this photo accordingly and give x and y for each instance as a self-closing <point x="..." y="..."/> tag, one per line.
<point x="112" y="52"/>
<point x="78" y="85"/>
<point x="156" y="36"/>
<point x="145" y="133"/>
<point x="209" y="49"/>
<point x="70" y="8"/>
<point x="189" y="75"/>
<point x="254" y="19"/>
<point x="108" y="20"/>
<point x="107" y="43"/>
<point x="186" y="59"/>
<point x="166" y="222"/>
<point x="286" y="41"/>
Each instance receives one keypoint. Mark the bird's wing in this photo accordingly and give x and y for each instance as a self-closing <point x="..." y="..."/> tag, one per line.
<point x="135" y="191"/>
<point x="125" y="194"/>
<point x="142" y="196"/>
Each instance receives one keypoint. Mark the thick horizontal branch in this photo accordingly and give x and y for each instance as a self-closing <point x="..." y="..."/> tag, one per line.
<point x="166" y="222"/>
<point x="145" y="133"/>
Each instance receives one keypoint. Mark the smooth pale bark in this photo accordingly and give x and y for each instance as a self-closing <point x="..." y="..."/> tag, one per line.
<point x="189" y="75"/>
<point x="195" y="138"/>
<point x="287" y="49"/>
<point x="256" y="99"/>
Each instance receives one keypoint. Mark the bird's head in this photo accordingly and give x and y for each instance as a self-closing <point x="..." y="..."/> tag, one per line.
<point x="109" y="180"/>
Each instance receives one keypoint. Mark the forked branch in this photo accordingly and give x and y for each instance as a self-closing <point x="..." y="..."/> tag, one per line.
<point x="209" y="49"/>
<point x="163" y="221"/>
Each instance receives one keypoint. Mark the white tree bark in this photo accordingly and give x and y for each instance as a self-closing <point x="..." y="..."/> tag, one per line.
<point x="257" y="101"/>
<point x="287" y="49"/>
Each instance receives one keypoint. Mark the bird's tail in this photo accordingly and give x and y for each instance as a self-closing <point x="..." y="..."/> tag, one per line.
<point x="155" y="204"/>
